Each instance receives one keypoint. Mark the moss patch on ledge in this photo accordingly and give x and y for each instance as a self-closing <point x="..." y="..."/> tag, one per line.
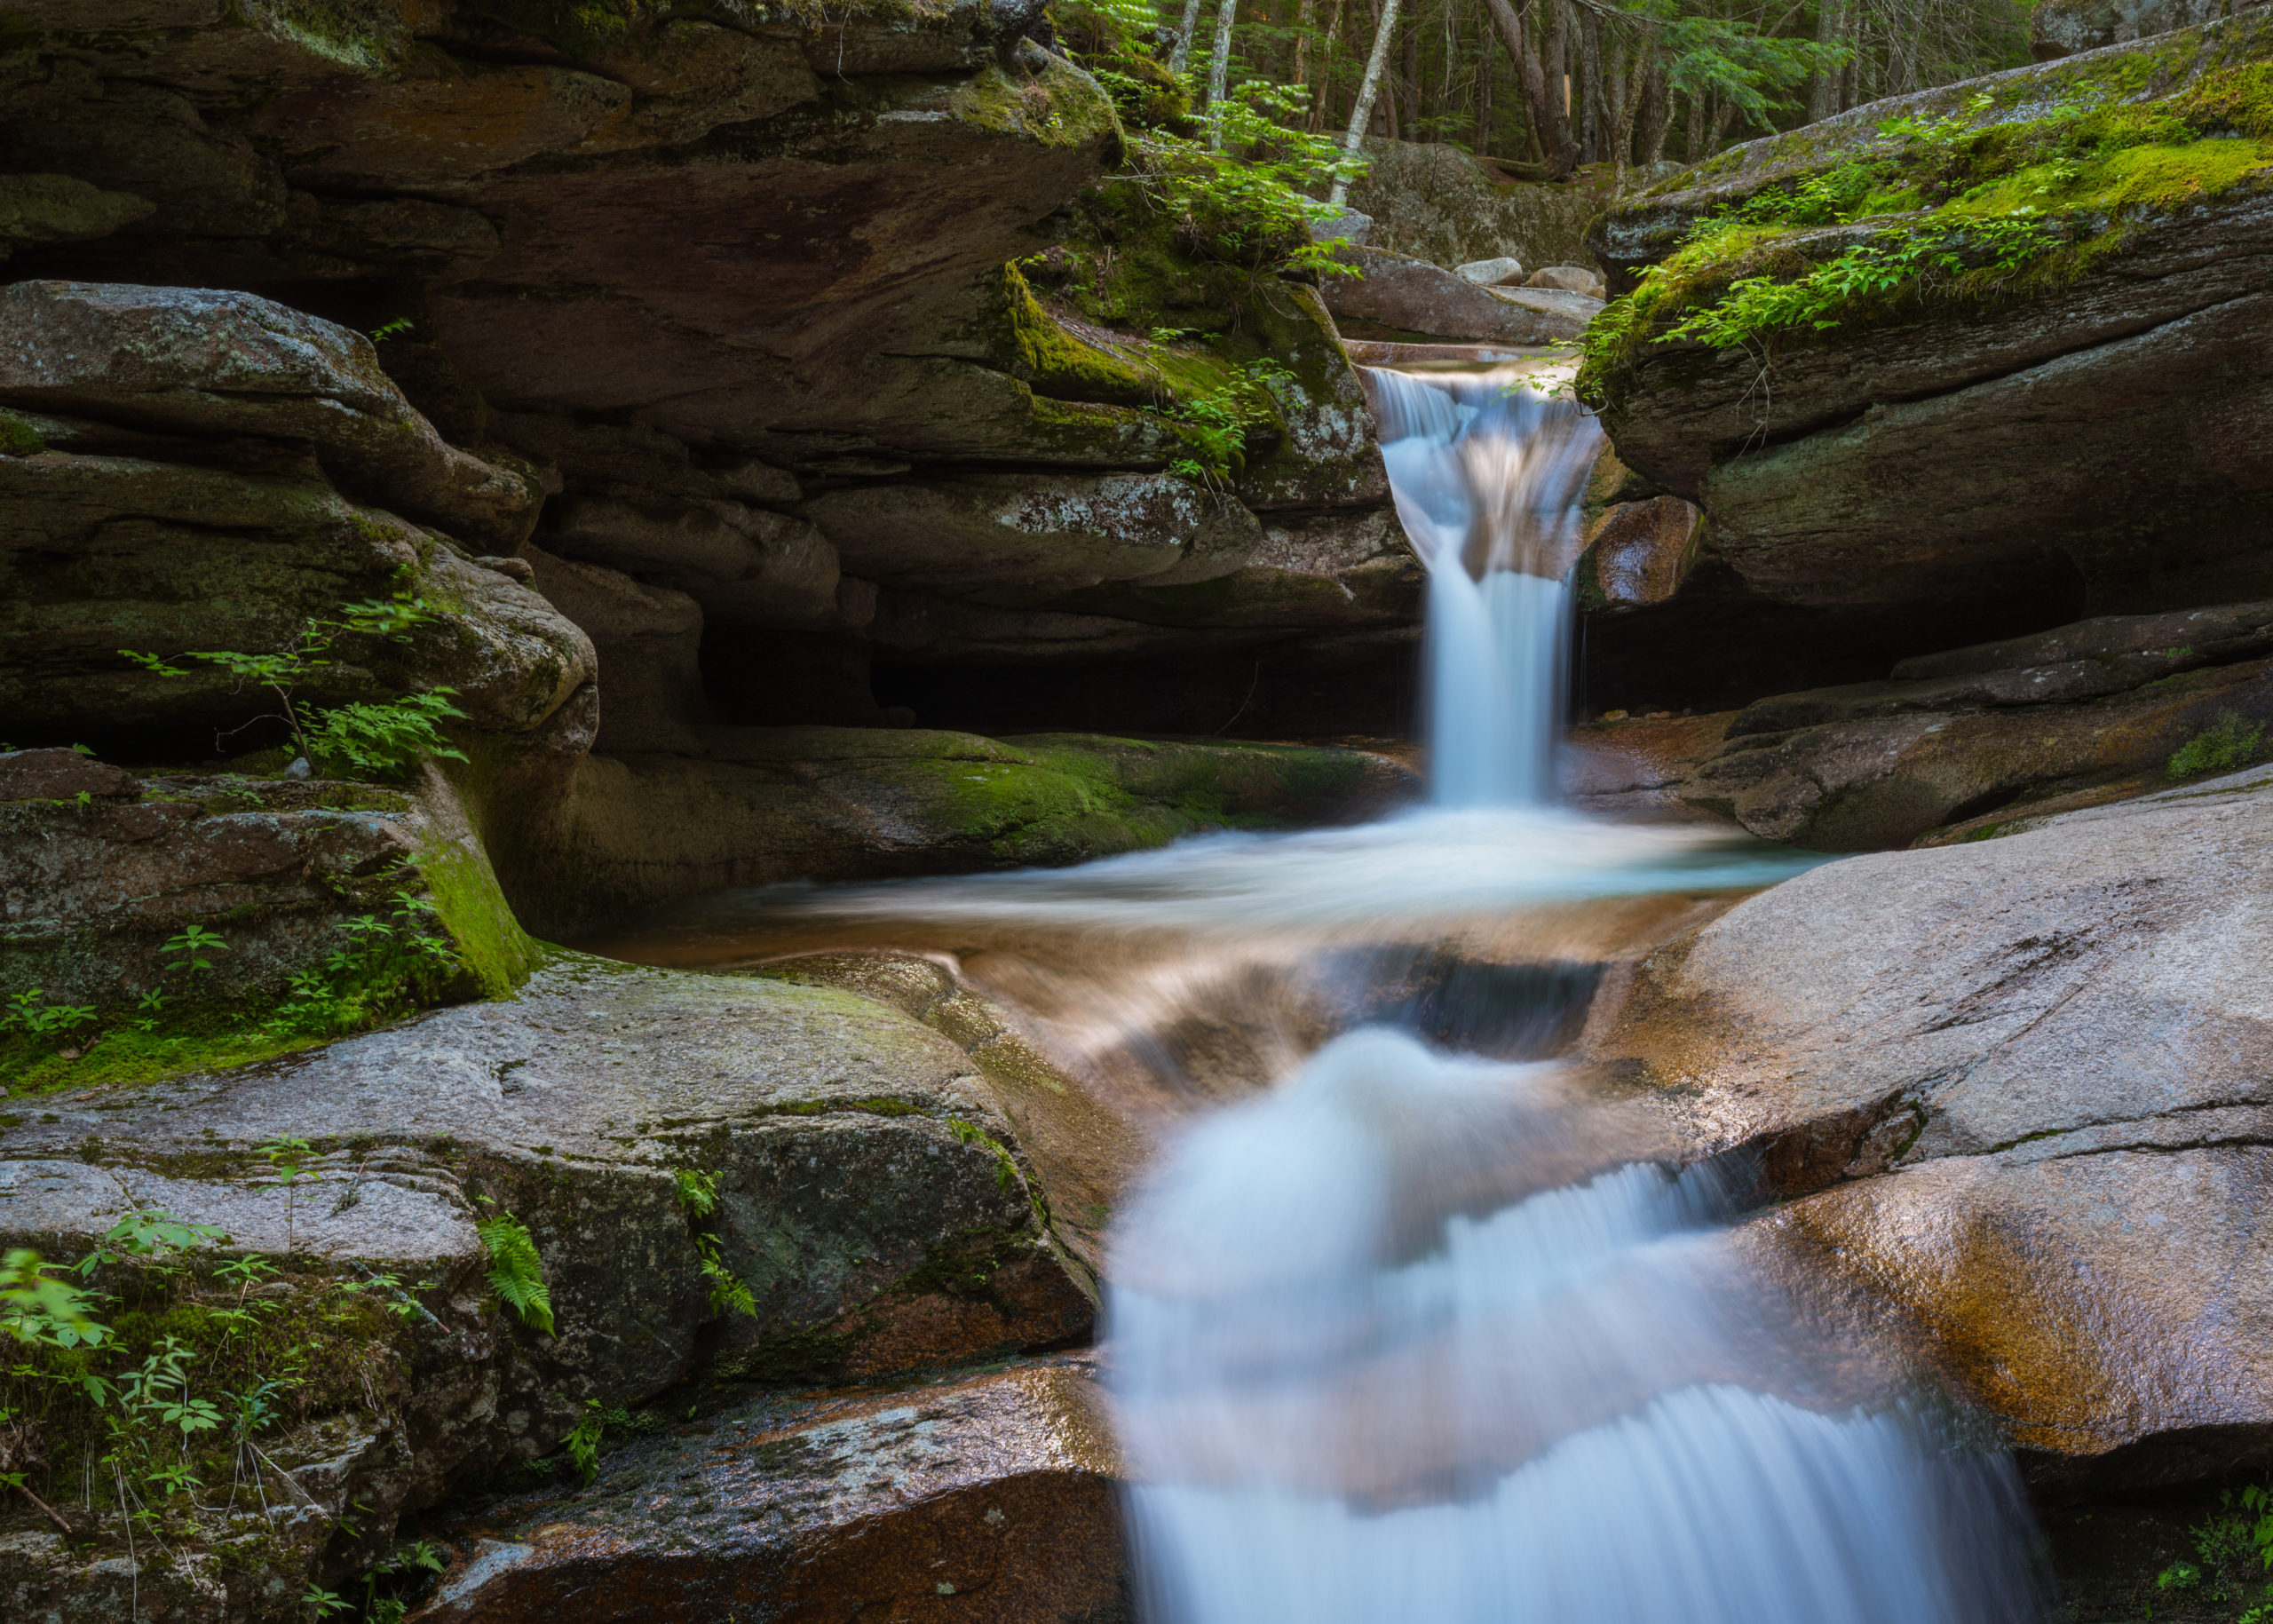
<point x="1962" y="210"/>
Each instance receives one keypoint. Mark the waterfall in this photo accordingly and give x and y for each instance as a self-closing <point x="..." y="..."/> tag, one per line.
<point x="1356" y="1390"/>
<point x="1488" y="467"/>
<point x="1403" y="1334"/>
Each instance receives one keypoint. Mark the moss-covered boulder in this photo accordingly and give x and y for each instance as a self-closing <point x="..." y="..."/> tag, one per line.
<point x="427" y="1255"/>
<point x="1999" y="344"/>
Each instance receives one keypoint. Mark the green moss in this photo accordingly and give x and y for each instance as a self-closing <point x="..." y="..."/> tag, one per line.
<point x="1060" y="106"/>
<point x="208" y="1038"/>
<point x="18" y="438"/>
<point x="495" y="951"/>
<point x="2230" y="744"/>
<point x="1039" y="350"/>
<point x="1972" y="208"/>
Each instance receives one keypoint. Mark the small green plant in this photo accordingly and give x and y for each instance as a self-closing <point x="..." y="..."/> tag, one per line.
<point x="374" y="737"/>
<point x="516" y="1271"/>
<point x="728" y="1294"/>
<point x="39" y="1309"/>
<point x="287" y="1160"/>
<point x="583" y="1440"/>
<point x="185" y="953"/>
<point x="383" y="966"/>
<point x="698" y="1192"/>
<point x="2227" y="746"/>
<point x="30" y="1012"/>
<point x="395" y="329"/>
<point x="2178" y="1576"/>
<point x="407" y="1560"/>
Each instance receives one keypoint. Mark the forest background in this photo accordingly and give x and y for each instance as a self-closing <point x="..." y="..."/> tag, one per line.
<point x="1541" y="87"/>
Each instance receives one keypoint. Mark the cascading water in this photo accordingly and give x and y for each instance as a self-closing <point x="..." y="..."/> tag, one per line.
<point x="1368" y="1370"/>
<point x="1488" y="467"/>
<point x="1411" y="1335"/>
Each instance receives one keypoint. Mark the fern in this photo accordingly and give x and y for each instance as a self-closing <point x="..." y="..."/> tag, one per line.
<point x="698" y="1192"/>
<point x="728" y="1291"/>
<point x="516" y="1271"/>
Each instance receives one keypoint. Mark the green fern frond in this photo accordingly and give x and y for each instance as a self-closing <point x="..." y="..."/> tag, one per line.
<point x="515" y="1270"/>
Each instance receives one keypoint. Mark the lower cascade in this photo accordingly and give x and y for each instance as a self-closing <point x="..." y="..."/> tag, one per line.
<point x="1379" y="1355"/>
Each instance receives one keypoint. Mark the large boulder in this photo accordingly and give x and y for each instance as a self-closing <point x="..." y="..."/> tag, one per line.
<point x="2074" y="428"/>
<point x="650" y="265"/>
<point x="862" y="1193"/>
<point x="1440" y="204"/>
<point x="218" y="472"/>
<point x="1396" y="297"/>
<point x="2018" y="1089"/>
<point x="2062" y="28"/>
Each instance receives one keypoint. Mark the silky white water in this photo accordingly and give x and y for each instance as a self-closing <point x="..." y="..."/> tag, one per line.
<point x="1489" y="468"/>
<point x="1403" y="1335"/>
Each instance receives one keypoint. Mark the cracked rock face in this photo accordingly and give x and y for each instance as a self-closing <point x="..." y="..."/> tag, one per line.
<point x="2022" y="1087"/>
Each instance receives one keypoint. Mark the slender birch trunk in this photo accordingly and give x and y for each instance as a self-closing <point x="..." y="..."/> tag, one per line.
<point x="1182" y="54"/>
<point x="1219" y="70"/>
<point x="1368" y="88"/>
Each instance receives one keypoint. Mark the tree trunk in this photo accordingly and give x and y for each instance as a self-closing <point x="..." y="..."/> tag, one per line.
<point x="1302" y="74"/>
<point x="1693" y="135"/>
<point x="1182" y="54"/>
<point x="1368" y="88"/>
<point x="1560" y="138"/>
<point x="1412" y="78"/>
<point x="1655" y="119"/>
<point x="1219" y="68"/>
<point x="1591" y="133"/>
<point x="1822" y="88"/>
<point x="1321" y="111"/>
<point x="1542" y="93"/>
<point x="1484" y="103"/>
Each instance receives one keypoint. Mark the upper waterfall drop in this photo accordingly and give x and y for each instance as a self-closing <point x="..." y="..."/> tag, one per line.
<point x="1489" y="467"/>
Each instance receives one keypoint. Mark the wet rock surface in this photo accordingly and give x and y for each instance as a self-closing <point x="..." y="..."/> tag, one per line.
<point x="2017" y="1087"/>
<point x="870" y="1199"/>
<point x="991" y="1496"/>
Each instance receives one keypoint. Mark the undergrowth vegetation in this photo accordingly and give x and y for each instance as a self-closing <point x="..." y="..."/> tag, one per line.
<point x="382" y="964"/>
<point x="1951" y="212"/>
<point x="150" y="1385"/>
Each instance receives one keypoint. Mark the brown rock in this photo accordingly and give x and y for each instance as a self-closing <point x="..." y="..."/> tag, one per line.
<point x="992" y="1498"/>
<point x="1637" y="554"/>
<point x="2020" y="1088"/>
<point x="62" y="775"/>
<point x="230" y="363"/>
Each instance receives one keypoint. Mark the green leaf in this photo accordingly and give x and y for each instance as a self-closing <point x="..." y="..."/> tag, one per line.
<point x="516" y="1271"/>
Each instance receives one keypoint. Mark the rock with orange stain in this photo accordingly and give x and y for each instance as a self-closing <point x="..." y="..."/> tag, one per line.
<point x="2022" y="1089"/>
<point x="990" y="1499"/>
